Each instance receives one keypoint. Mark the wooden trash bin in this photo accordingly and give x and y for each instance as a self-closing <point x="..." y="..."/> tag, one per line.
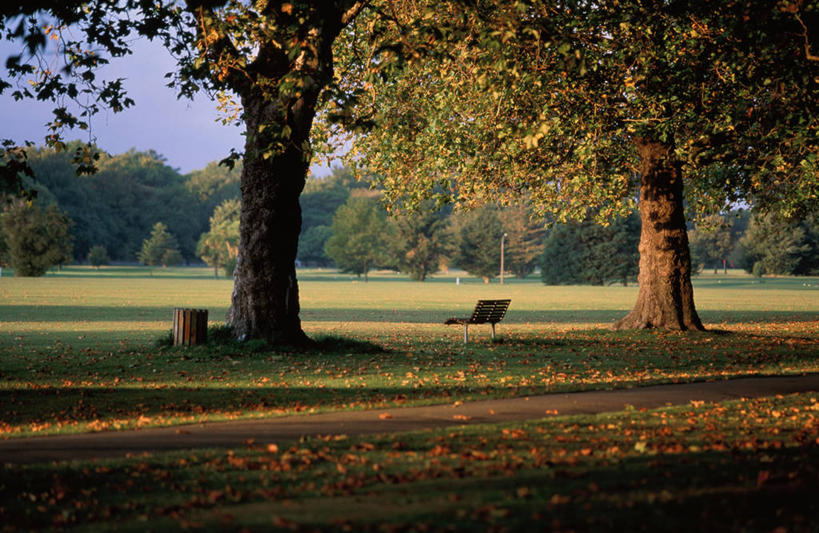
<point x="190" y="326"/>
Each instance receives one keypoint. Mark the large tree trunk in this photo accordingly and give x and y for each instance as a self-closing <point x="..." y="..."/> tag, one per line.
<point x="265" y="302"/>
<point x="666" y="297"/>
<point x="278" y="117"/>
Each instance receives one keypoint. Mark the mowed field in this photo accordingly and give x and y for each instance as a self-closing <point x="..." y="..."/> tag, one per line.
<point x="82" y="350"/>
<point x="82" y="334"/>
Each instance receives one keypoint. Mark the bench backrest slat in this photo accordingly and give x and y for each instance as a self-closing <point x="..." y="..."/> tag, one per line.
<point x="491" y="311"/>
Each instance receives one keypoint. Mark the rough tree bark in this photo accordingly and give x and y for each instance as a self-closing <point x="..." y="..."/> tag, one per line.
<point x="666" y="297"/>
<point x="265" y="301"/>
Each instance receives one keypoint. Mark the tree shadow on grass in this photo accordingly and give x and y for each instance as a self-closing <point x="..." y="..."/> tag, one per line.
<point x="703" y="491"/>
<point x="86" y="404"/>
<point x="221" y="337"/>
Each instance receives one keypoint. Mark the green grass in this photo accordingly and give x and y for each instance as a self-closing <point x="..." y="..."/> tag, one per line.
<point x="750" y="465"/>
<point x="79" y="350"/>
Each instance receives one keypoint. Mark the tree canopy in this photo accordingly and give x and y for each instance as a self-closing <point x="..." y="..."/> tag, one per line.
<point x="98" y="256"/>
<point x="577" y="106"/>
<point x="219" y="246"/>
<point x="360" y="237"/>
<point x="34" y="239"/>
<point x="478" y="238"/>
<point x="588" y="253"/>
<point x="421" y="242"/>
<point x="549" y="99"/>
<point x="160" y="248"/>
<point x="776" y="246"/>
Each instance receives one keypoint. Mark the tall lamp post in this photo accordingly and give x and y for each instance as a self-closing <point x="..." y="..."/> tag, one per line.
<point x="501" y="272"/>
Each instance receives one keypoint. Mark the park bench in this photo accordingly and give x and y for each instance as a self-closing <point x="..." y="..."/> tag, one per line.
<point x="486" y="312"/>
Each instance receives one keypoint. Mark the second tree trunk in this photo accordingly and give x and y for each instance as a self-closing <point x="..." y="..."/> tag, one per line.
<point x="666" y="296"/>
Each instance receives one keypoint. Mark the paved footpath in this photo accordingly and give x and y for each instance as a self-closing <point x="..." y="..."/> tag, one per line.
<point x="291" y="428"/>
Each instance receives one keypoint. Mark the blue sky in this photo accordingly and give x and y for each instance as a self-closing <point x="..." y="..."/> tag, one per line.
<point x="185" y="132"/>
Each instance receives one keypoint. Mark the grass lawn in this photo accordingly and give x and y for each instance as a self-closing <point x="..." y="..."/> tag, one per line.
<point x="79" y="352"/>
<point x="746" y="465"/>
<point x="79" y="349"/>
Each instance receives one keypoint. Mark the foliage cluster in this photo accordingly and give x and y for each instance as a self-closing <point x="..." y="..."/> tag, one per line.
<point x="219" y="247"/>
<point x="761" y="243"/>
<point x="714" y="238"/>
<point x="772" y="245"/>
<point x="319" y="202"/>
<point x="160" y="248"/>
<point x="359" y="239"/>
<point x="538" y="99"/>
<point x="98" y="256"/>
<point x="33" y="239"/>
<point x="588" y="253"/>
<point x="117" y="206"/>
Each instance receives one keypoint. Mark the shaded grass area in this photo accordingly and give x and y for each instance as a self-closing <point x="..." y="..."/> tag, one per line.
<point x="81" y="354"/>
<point x="60" y="389"/>
<point x="741" y="465"/>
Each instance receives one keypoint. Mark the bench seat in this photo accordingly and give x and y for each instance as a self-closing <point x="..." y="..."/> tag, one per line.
<point x="486" y="312"/>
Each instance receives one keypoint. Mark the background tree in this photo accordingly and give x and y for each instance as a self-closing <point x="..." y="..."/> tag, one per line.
<point x="55" y="181"/>
<point x="311" y="246"/>
<point x="211" y="186"/>
<point x="421" y="242"/>
<point x="35" y="239"/>
<point x="776" y="246"/>
<point x="172" y="257"/>
<point x="542" y="99"/>
<point x="58" y="229"/>
<point x="809" y="265"/>
<point x="117" y="206"/>
<point x="98" y="256"/>
<point x="319" y="201"/>
<point x="160" y="248"/>
<point x="360" y="237"/>
<point x="219" y="246"/>
<point x="589" y="253"/>
<point x="524" y="240"/>
<point x="478" y="235"/>
<point x="711" y="242"/>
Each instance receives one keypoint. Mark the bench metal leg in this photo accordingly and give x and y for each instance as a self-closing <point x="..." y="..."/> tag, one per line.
<point x="493" y="331"/>
<point x="466" y="333"/>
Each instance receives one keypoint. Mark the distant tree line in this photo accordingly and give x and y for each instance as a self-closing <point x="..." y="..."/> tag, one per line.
<point x="110" y="214"/>
<point x="137" y="208"/>
<point x="760" y="244"/>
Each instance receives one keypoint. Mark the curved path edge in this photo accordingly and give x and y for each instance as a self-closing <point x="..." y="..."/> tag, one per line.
<point x="390" y="420"/>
